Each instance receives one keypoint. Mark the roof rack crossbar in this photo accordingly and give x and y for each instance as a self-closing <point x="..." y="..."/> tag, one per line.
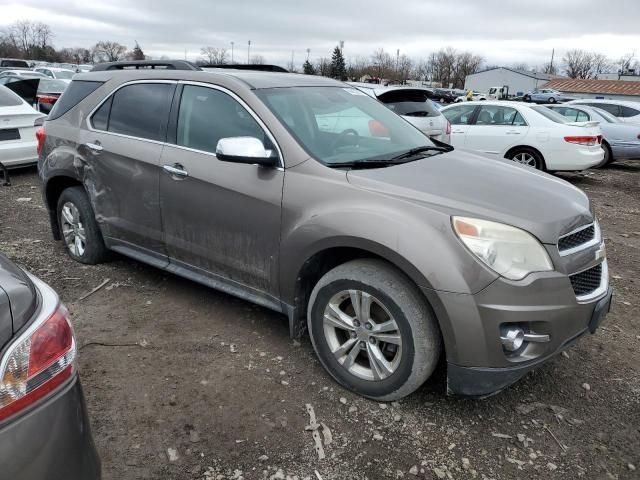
<point x="146" y="64"/>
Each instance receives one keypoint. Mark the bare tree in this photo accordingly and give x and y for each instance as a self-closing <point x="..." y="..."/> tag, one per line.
<point x="215" y="56"/>
<point x="627" y="62"/>
<point x="107" y="51"/>
<point x="584" y="65"/>
<point x="258" y="60"/>
<point x="323" y="66"/>
<point x="383" y="64"/>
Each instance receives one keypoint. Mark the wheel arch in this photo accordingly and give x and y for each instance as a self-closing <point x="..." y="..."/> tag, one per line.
<point x="526" y="147"/>
<point x="53" y="188"/>
<point x="296" y="287"/>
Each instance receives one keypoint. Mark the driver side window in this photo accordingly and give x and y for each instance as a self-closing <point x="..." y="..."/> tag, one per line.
<point x="207" y="115"/>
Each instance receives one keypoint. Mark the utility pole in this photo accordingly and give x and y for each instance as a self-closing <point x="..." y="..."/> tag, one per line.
<point x="249" y="52"/>
<point x="292" y="61"/>
<point x="397" y="60"/>
<point x="185" y="53"/>
<point x="231" y="52"/>
<point x="308" y="53"/>
<point x="341" y="46"/>
<point x="553" y="51"/>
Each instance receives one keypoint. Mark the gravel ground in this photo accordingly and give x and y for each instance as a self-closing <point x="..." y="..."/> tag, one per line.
<point x="183" y="382"/>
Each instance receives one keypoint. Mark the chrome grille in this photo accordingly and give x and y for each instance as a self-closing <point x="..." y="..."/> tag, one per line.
<point x="586" y="282"/>
<point x="577" y="238"/>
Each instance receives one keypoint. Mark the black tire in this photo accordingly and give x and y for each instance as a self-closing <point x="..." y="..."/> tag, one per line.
<point x="417" y="327"/>
<point x="608" y="155"/>
<point x="94" y="249"/>
<point x="526" y="98"/>
<point x="539" y="161"/>
<point x="552" y="100"/>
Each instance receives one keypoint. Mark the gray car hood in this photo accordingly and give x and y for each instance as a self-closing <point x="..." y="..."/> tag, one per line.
<point x="18" y="299"/>
<point x="462" y="183"/>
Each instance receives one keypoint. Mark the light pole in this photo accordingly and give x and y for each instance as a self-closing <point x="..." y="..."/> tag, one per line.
<point x="249" y="52"/>
<point x="232" y="52"/>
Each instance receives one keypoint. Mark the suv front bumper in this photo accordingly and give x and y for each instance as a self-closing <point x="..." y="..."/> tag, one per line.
<point x="544" y="304"/>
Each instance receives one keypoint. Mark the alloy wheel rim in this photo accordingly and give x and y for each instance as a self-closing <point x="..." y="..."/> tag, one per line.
<point x="526" y="159"/>
<point x="362" y="335"/>
<point x="73" y="230"/>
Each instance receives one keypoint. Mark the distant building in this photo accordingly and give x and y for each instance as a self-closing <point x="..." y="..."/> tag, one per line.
<point x="606" y="89"/>
<point x="518" y="81"/>
<point x="630" y="76"/>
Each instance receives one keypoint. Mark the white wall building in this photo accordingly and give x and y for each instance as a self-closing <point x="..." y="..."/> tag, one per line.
<point x="519" y="81"/>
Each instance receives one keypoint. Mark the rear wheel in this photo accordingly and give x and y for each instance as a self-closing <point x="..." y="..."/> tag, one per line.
<point x="78" y="227"/>
<point x="608" y="155"/>
<point x="528" y="157"/>
<point x="372" y="330"/>
<point x="526" y="98"/>
<point x="552" y="100"/>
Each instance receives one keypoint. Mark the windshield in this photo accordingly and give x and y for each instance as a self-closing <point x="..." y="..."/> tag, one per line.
<point x="342" y="125"/>
<point x="51" y="86"/>
<point x="412" y="103"/>
<point x="64" y="74"/>
<point x="8" y="98"/>
<point x="550" y="114"/>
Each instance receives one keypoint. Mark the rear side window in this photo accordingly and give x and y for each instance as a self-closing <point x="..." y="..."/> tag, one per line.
<point x="607" y="107"/>
<point x="8" y="98"/>
<point x="626" y="112"/>
<point x="73" y="94"/>
<point x="140" y="110"/>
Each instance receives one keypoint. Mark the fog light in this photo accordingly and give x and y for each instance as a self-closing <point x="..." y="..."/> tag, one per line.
<point x="512" y="339"/>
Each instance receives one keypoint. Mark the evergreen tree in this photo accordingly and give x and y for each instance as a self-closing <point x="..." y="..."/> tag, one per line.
<point x="338" y="67"/>
<point x="308" y="69"/>
<point x="137" y="53"/>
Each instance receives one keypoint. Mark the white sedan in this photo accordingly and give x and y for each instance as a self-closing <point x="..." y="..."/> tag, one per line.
<point x="528" y="134"/>
<point x="17" y="130"/>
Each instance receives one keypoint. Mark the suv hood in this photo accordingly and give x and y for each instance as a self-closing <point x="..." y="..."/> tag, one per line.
<point x="462" y="183"/>
<point x="18" y="299"/>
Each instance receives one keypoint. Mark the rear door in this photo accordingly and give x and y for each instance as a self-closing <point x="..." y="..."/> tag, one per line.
<point x="121" y="147"/>
<point x="496" y="129"/>
<point x="460" y="118"/>
<point x="221" y="218"/>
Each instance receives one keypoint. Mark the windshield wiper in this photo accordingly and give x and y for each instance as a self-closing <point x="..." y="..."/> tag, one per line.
<point x="380" y="163"/>
<point x="418" y="150"/>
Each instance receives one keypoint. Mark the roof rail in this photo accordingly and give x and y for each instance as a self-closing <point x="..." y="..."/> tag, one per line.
<point x="250" y="66"/>
<point x="146" y="64"/>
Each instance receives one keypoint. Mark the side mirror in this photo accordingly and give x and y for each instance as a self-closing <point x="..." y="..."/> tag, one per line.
<point x="245" y="150"/>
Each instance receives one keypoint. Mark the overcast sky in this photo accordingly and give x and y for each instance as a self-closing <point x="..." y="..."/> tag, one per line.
<point x="502" y="31"/>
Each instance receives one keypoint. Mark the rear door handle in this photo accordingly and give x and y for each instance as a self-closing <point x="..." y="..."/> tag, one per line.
<point x="176" y="170"/>
<point x="457" y="131"/>
<point x="513" y="132"/>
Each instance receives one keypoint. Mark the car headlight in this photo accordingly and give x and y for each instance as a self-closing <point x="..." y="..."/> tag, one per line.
<point x="508" y="251"/>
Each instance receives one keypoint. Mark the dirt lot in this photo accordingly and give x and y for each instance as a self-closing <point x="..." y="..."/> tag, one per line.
<point x="170" y="398"/>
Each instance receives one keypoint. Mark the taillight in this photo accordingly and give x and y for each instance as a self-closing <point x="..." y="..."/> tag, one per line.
<point x="40" y="361"/>
<point x="587" y="140"/>
<point x="46" y="99"/>
<point x="40" y="138"/>
<point x="448" y="127"/>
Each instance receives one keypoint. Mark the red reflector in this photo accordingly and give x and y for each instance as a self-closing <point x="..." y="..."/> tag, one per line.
<point x="588" y="140"/>
<point x="50" y="342"/>
<point x="46" y="99"/>
<point x="40" y="137"/>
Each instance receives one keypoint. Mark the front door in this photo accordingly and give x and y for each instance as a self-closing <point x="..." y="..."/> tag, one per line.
<point x="221" y="218"/>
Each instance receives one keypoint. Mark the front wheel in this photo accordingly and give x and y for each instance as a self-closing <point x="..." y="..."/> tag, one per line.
<point x="527" y="157"/>
<point x="552" y="100"/>
<point x="526" y="98"/>
<point x="372" y="330"/>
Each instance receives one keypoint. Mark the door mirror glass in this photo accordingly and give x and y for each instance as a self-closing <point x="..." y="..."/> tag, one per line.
<point x="245" y="150"/>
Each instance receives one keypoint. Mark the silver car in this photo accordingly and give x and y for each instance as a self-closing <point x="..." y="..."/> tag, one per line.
<point x="620" y="140"/>
<point x="414" y="105"/>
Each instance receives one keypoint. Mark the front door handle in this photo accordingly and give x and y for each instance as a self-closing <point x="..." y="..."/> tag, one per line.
<point x="457" y="131"/>
<point x="95" y="147"/>
<point x="176" y="170"/>
<point x="513" y="132"/>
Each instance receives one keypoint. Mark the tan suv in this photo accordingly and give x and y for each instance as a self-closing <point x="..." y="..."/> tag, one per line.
<point x="306" y="196"/>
